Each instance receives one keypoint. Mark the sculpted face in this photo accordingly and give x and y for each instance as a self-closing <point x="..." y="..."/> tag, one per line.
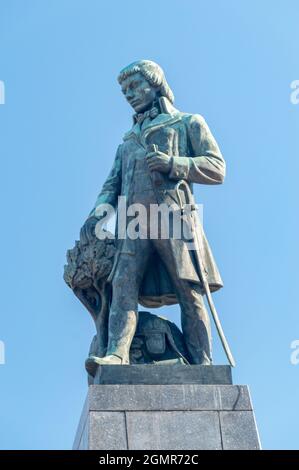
<point x="139" y="92"/>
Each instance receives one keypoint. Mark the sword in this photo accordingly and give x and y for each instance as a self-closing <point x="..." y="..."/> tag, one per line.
<point x="199" y="260"/>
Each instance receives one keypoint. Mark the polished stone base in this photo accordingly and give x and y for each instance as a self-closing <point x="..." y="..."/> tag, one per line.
<point x="154" y="374"/>
<point x="185" y="416"/>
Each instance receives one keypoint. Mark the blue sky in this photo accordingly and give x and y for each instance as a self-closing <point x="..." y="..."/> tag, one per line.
<point x="233" y="62"/>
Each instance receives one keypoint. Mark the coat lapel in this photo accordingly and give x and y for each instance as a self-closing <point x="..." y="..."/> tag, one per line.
<point x="133" y="132"/>
<point x="160" y="121"/>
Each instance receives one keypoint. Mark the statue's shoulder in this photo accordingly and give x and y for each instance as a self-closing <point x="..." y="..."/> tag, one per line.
<point x="194" y="123"/>
<point x="192" y="119"/>
<point x="168" y="108"/>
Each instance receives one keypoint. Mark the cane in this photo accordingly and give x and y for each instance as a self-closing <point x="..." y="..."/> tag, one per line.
<point x="199" y="260"/>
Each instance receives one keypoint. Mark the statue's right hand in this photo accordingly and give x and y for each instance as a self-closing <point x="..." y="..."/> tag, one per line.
<point x="87" y="232"/>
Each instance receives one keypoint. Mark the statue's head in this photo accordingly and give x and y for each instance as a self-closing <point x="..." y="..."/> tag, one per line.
<point x="143" y="82"/>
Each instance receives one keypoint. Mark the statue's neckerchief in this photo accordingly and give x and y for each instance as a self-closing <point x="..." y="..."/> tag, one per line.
<point x="151" y="113"/>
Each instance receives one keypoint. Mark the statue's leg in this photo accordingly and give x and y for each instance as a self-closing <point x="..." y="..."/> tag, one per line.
<point x="123" y="315"/>
<point x="194" y="316"/>
<point x="195" y="322"/>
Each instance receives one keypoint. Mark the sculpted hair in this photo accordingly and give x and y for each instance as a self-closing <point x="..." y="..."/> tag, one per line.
<point x="152" y="72"/>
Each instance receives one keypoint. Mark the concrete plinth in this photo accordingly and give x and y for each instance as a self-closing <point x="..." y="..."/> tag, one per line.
<point x="184" y="414"/>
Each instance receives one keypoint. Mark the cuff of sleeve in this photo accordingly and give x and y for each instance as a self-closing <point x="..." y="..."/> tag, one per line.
<point x="180" y="168"/>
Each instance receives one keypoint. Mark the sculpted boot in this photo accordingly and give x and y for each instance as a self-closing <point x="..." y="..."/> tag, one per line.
<point x="92" y="362"/>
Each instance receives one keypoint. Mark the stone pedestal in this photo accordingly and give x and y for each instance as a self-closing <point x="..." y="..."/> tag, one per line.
<point x="166" y="408"/>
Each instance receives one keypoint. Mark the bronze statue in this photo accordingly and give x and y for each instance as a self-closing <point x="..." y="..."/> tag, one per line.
<point x="160" y="158"/>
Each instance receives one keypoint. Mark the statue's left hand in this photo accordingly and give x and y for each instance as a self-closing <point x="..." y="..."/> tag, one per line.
<point x="159" y="161"/>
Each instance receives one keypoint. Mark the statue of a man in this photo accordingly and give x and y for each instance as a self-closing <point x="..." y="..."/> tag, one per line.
<point x="163" y="147"/>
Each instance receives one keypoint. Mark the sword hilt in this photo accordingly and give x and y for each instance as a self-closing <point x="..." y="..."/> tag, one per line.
<point x="188" y="195"/>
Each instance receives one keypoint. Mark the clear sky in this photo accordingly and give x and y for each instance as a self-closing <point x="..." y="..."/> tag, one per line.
<point x="63" y="117"/>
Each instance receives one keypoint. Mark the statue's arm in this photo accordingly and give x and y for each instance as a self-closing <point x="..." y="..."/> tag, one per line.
<point x="112" y="187"/>
<point x="206" y="165"/>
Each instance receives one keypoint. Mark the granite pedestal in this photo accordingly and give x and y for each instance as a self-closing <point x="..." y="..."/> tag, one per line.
<point x="166" y="408"/>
